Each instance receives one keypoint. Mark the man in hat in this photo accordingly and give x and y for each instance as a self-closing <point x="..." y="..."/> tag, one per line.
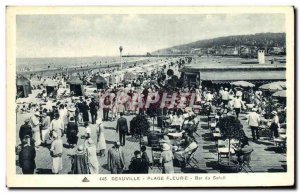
<point x="57" y="126"/>
<point x="254" y="121"/>
<point x="138" y="165"/>
<point x="275" y="124"/>
<point x="122" y="128"/>
<point x="237" y="105"/>
<point x="116" y="159"/>
<point x="27" y="156"/>
<point x="56" y="151"/>
<point x="94" y="106"/>
<point x="225" y="97"/>
<point x="209" y="96"/>
<point x="25" y="129"/>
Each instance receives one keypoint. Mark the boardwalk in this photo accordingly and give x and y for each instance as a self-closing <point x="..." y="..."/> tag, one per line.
<point x="265" y="158"/>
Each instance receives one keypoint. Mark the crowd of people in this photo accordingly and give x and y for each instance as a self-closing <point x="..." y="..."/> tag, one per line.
<point x="177" y="119"/>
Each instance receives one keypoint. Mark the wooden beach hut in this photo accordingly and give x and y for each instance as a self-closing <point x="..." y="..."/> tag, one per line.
<point x="76" y="86"/>
<point x="23" y="87"/>
<point x="51" y="87"/>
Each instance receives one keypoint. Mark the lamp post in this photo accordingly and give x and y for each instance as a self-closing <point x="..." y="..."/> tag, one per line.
<point x="121" y="49"/>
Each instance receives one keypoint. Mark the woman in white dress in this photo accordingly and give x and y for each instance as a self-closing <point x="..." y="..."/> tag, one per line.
<point x="101" y="143"/>
<point x="35" y="124"/>
<point x="91" y="152"/>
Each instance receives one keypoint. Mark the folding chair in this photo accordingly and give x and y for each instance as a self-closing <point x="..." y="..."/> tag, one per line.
<point x="190" y="159"/>
<point x="245" y="164"/>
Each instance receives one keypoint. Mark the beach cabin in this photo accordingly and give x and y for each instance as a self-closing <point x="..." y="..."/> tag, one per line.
<point x="51" y="88"/>
<point x="23" y="87"/>
<point x="99" y="81"/>
<point x="76" y="86"/>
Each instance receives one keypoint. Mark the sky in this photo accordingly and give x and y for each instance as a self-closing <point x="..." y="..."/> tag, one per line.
<point x="102" y="35"/>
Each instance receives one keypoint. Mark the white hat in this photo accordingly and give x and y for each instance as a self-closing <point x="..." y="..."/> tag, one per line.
<point x="274" y="113"/>
<point x="226" y="88"/>
<point x="254" y="109"/>
<point x="37" y="113"/>
<point x="165" y="147"/>
<point x="72" y="109"/>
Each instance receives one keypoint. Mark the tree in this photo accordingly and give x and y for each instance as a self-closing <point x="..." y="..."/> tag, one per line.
<point x="231" y="128"/>
<point x="139" y="126"/>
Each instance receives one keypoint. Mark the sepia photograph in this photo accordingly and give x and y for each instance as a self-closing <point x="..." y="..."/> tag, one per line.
<point x="150" y="97"/>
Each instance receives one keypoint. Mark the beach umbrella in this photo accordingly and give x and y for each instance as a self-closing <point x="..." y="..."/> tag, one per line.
<point x="50" y="83"/>
<point x="242" y="84"/>
<point x="281" y="94"/>
<point x="274" y="86"/>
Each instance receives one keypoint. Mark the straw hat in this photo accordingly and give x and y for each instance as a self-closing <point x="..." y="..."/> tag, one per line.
<point x="37" y="113"/>
<point x="72" y="109"/>
<point x="188" y="109"/>
<point x="254" y="109"/>
<point x="165" y="147"/>
<point x="274" y="113"/>
<point x="27" y="120"/>
<point x="80" y="149"/>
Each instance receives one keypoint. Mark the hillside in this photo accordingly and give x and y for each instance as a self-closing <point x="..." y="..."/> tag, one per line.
<point x="258" y="40"/>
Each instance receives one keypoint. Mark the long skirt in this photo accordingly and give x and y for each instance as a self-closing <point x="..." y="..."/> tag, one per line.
<point x="168" y="168"/>
<point x="36" y="136"/>
<point x="45" y="133"/>
<point x="72" y="137"/>
<point x="56" y="164"/>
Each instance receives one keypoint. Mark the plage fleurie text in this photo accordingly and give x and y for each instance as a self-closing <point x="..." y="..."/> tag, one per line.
<point x="162" y="178"/>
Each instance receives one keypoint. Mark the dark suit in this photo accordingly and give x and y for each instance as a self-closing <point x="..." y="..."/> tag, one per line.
<point x="27" y="159"/>
<point x="25" y="130"/>
<point x="122" y="128"/>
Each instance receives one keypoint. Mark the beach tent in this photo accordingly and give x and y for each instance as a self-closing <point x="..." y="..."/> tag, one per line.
<point x="100" y="81"/>
<point x="281" y="94"/>
<point x="50" y="87"/>
<point x="76" y="86"/>
<point x="23" y="87"/>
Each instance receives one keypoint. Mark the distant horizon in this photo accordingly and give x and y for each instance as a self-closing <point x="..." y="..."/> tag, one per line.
<point x="144" y="53"/>
<point x="81" y="35"/>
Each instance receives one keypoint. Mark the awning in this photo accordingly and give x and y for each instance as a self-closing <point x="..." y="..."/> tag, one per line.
<point x="252" y="76"/>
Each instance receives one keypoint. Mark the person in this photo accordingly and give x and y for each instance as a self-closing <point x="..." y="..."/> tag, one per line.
<point x="237" y="105"/>
<point x="56" y="151"/>
<point x="85" y="112"/>
<point x="45" y="124"/>
<point x="177" y="121"/>
<point x="25" y="129"/>
<point x="122" y="128"/>
<point x="27" y="156"/>
<point x="72" y="131"/>
<point x="166" y="159"/>
<point x="94" y="106"/>
<point x="63" y="114"/>
<point x="275" y="124"/>
<point x="182" y="155"/>
<point x="35" y="124"/>
<point x="208" y="97"/>
<point x="225" y="97"/>
<point x="87" y="132"/>
<point x="72" y="113"/>
<point x="106" y="108"/>
<point x="116" y="159"/>
<point x="57" y="126"/>
<point x="91" y="152"/>
<point x="79" y="161"/>
<point x="253" y="121"/>
<point x="101" y="143"/>
<point x="145" y="157"/>
<point x="138" y="165"/>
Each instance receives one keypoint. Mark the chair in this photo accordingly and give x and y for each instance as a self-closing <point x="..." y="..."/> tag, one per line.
<point x="245" y="162"/>
<point x="156" y="155"/>
<point x="196" y="126"/>
<point x="190" y="159"/>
